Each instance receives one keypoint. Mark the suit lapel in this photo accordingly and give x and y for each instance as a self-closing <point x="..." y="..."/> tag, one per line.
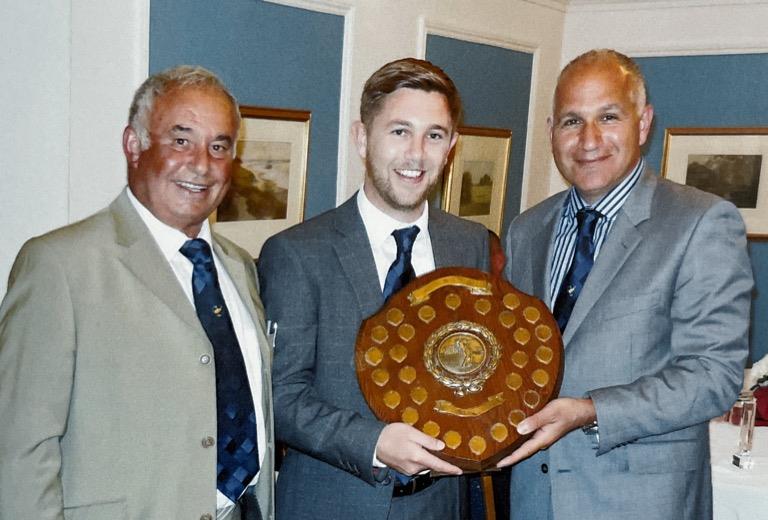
<point x="622" y="240"/>
<point x="446" y="248"/>
<point x="237" y="272"/>
<point x="140" y="254"/>
<point x="356" y="258"/>
<point x="247" y="289"/>
<point x="541" y="253"/>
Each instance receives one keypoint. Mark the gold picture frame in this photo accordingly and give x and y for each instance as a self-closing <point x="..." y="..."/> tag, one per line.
<point x="729" y="162"/>
<point x="267" y="194"/>
<point x="481" y="155"/>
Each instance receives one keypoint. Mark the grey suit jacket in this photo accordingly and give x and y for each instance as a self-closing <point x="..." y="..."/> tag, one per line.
<point x="319" y="283"/>
<point x="104" y="398"/>
<point x="657" y="339"/>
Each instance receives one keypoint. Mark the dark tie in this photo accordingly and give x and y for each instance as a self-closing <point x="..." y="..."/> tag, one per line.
<point x="580" y="266"/>
<point x="237" y="449"/>
<point x="401" y="271"/>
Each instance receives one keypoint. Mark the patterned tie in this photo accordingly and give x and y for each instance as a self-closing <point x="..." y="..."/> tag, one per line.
<point x="401" y="271"/>
<point x="237" y="449"/>
<point x="580" y="266"/>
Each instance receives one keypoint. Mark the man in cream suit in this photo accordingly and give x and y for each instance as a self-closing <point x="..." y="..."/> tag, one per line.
<point x="322" y="278"/>
<point x="110" y="375"/>
<point x="650" y="283"/>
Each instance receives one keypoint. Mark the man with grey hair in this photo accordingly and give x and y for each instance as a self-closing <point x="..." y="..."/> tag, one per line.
<point x="650" y="284"/>
<point x="134" y="368"/>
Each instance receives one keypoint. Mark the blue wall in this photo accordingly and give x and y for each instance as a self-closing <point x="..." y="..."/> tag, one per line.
<point x="712" y="91"/>
<point x="268" y="55"/>
<point x="495" y="86"/>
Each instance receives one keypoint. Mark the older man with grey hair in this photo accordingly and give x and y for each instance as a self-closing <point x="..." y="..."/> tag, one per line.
<point x="134" y="368"/>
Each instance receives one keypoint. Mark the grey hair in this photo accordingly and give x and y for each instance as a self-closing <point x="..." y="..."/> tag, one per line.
<point x="157" y="85"/>
<point x="627" y="64"/>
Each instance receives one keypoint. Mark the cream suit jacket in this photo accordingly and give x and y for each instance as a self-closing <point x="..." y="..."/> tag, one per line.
<point x="105" y="396"/>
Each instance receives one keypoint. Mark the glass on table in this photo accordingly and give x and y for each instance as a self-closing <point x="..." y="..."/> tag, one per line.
<point x="743" y="414"/>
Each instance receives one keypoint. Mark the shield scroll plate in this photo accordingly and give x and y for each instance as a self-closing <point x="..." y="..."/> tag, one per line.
<point x="463" y="357"/>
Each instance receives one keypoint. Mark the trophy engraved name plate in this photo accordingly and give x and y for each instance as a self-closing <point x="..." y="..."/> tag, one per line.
<point x="463" y="357"/>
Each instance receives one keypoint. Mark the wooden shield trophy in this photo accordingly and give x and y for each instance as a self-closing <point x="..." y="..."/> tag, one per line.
<point x="463" y="357"/>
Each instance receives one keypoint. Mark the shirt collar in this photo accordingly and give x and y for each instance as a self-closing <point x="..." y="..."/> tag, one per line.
<point x="380" y="226"/>
<point x="610" y="203"/>
<point x="169" y="239"/>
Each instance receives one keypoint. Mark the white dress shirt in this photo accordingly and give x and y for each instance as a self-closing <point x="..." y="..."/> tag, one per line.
<point x="170" y="241"/>
<point x="379" y="227"/>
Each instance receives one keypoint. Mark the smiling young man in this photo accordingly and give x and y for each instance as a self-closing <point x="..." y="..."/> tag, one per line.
<point x="134" y="369"/>
<point x="322" y="278"/>
<point x="650" y="284"/>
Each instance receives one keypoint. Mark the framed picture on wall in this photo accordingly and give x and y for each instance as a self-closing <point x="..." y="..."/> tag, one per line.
<point x="476" y="178"/>
<point x="729" y="162"/>
<point x="268" y="177"/>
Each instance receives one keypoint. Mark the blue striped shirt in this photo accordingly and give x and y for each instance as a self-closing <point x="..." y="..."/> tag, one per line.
<point x="565" y="236"/>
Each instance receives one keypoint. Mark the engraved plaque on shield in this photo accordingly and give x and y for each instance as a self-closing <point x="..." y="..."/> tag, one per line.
<point x="463" y="357"/>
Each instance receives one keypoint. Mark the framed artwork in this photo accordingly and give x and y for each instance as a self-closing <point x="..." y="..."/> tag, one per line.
<point x="268" y="177"/>
<point x="476" y="178"/>
<point x="729" y="162"/>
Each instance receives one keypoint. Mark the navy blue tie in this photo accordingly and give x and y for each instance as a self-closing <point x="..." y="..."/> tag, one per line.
<point x="580" y="266"/>
<point x="401" y="271"/>
<point x="237" y="449"/>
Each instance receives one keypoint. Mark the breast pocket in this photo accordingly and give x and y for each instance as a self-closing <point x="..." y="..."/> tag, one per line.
<point x="629" y="306"/>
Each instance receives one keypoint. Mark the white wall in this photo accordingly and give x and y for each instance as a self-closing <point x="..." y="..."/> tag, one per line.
<point x="72" y="66"/>
<point x="69" y="69"/>
<point x="377" y="32"/>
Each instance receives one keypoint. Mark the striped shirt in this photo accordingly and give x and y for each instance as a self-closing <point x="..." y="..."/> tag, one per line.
<point x="565" y="236"/>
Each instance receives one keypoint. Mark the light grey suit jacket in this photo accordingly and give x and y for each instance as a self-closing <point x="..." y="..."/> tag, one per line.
<point x="103" y="396"/>
<point x="657" y="339"/>
<point x="319" y="282"/>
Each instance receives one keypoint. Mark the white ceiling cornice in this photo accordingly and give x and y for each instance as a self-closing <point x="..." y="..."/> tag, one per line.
<point x="622" y="5"/>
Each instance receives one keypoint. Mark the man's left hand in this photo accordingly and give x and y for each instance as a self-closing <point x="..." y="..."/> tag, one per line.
<point x="557" y="418"/>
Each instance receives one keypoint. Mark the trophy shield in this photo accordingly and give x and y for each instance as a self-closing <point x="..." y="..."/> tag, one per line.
<point x="463" y="357"/>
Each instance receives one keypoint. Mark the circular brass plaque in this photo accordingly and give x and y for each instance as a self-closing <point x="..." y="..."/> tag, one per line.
<point x="462" y="357"/>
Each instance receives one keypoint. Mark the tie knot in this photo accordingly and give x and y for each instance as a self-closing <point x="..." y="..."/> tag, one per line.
<point x="198" y="251"/>
<point x="586" y="219"/>
<point x="405" y="237"/>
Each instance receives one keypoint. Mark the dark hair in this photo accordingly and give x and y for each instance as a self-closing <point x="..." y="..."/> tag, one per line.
<point x="408" y="73"/>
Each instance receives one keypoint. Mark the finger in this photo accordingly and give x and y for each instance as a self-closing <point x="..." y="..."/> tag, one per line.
<point x="437" y="464"/>
<point x="527" y="449"/>
<point x="427" y="441"/>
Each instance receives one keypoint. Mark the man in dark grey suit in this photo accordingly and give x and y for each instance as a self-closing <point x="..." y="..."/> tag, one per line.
<point x="650" y="283"/>
<point x="322" y="278"/>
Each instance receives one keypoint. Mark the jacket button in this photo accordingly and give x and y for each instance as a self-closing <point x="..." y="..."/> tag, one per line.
<point x="206" y="516"/>
<point x="205" y="359"/>
<point x="208" y="442"/>
<point x="544" y="468"/>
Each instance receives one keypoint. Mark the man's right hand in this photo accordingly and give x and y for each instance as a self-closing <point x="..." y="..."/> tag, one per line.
<point x="404" y="448"/>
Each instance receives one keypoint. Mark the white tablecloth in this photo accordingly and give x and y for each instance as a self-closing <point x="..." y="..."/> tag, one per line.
<point x="739" y="494"/>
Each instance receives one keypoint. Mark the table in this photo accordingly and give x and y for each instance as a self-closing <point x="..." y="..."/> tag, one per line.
<point x="738" y="494"/>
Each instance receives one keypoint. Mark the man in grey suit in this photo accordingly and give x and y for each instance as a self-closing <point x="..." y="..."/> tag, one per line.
<point x="650" y="283"/>
<point x="117" y="343"/>
<point x="322" y="278"/>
